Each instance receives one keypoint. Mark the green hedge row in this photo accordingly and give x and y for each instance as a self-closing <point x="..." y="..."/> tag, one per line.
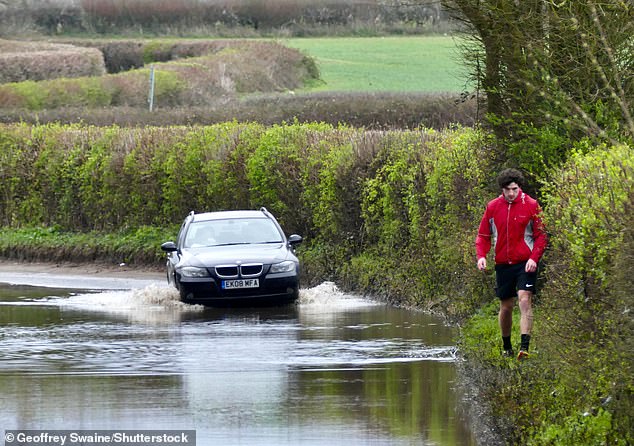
<point x="229" y="69"/>
<point x="348" y="191"/>
<point x="139" y="246"/>
<point x="587" y="301"/>
<point x="126" y="54"/>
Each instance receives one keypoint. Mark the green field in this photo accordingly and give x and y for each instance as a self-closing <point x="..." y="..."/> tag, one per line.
<point x="394" y="64"/>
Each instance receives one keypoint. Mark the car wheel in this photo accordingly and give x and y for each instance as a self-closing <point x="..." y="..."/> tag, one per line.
<point x="185" y="295"/>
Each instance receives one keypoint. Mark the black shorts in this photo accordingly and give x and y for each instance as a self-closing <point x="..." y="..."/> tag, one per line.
<point x="511" y="278"/>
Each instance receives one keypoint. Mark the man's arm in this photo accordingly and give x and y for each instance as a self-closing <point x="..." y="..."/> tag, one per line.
<point x="540" y="238"/>
<point x="483" y="241"/>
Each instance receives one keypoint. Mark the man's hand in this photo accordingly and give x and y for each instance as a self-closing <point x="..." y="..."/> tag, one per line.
<point x="482" y="263"/>
<point x="531" y="266"/>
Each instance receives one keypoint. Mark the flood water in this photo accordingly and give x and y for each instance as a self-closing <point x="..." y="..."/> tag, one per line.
<point x="333" y="369"/>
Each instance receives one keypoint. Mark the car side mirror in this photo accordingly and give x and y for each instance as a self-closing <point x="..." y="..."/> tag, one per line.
<point x="295" y="239"/>
<point x="169" y="247"/>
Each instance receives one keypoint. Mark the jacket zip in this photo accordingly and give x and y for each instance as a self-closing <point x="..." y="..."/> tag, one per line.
<point x="508" y="241"/>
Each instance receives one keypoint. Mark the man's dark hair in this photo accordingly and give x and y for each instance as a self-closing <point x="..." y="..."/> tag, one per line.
<point x="508" y="176"/>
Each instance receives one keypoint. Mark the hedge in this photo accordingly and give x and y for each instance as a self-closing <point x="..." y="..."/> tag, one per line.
<point x="233" y="69"/>
<point x="36" y="61"/>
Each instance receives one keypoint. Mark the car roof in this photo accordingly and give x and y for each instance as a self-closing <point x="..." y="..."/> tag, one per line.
<point x="223" y="215"/>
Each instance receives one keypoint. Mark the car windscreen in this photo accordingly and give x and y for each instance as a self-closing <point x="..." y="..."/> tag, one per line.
<point x="232" y="231"/>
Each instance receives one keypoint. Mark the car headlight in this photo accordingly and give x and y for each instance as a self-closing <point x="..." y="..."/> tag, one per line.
<point x="193" y="271"/>
<point x="283" y="267"/>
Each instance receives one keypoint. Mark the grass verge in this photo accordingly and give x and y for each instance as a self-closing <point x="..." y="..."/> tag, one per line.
<point x="138" y="247"/>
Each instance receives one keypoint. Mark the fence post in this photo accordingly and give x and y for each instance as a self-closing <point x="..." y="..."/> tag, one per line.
<point x="151" y="95"/>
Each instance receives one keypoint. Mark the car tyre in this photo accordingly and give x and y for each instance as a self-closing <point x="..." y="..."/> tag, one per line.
<point x="187" y="297"/>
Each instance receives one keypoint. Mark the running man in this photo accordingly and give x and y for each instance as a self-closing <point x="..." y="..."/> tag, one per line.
<point x="512" y="225"/>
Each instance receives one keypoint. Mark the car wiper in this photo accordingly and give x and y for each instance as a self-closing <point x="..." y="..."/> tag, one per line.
<point x="232" y="244"/>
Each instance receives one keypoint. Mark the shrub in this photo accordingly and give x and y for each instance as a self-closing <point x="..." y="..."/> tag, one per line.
<point x="458" y="171"/>
<point x="122" y="55"/>
<point x="138" y="246"/>
<point x="246" y="67"/>
<point x="588" y="326"/>
<point x="587" y="203"/>
<point x="282" y="168"/>
<point x="35" y="61"/>
<point x="424" y="201"/>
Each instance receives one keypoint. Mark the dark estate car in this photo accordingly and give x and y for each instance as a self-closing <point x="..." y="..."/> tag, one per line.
<point x="233" y="257"/>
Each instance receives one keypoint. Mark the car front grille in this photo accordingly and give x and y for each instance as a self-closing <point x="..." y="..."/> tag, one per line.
<point x="235" y="271"/>
<point x="227" y="271"/>
<point x="251" y="270"/>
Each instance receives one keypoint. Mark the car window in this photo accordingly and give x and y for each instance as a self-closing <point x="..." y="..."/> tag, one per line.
<point x="261" y="231"/>
<point x="232" y="231"/>
<point x="200" y="234"/>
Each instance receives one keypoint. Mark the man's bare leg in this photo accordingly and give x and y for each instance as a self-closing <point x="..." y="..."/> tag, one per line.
<point x="526" y="319"/>
<point x="526" y="311"/>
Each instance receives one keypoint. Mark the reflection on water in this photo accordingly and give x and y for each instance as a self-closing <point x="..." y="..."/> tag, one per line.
<point x="332" y="369"/>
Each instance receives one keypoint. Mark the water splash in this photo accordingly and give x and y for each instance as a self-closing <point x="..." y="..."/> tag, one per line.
<point x="156" y="297"/>
<point x="158" y="303"/>
<point x="328" y="295"/>
<point x="154" y="304"/>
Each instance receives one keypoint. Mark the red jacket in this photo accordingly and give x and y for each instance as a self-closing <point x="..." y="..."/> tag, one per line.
<point x="515" y="230"/>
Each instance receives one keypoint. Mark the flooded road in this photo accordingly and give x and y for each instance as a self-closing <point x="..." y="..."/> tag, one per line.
<point x="333" y="369"/>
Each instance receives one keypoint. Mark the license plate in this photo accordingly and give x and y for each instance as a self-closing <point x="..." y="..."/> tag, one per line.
<point x="240" y="283"/>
